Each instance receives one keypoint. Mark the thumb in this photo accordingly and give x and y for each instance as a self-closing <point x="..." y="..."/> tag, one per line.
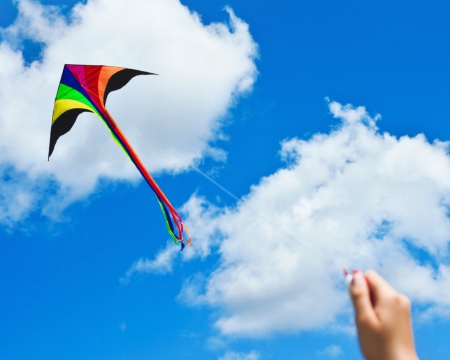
<point x="360" y="295"/>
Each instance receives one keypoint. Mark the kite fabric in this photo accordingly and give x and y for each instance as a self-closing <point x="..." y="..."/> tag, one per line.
<point x="85" y="88"/>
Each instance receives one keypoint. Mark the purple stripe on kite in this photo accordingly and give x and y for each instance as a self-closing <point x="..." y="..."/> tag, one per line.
<point x="166" y="214"/>
<point x="78" y="72"/>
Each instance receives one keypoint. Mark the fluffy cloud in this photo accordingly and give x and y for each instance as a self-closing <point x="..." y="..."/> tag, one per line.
<point x="162" y="264"/>
<point x="332" y="351"/>
<point x="353" y="198"/>
<point x="231" y="355"/>
<point x="171" y="119"/>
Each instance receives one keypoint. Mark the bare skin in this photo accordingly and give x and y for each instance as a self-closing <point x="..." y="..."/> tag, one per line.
<point x="383" y="318"/>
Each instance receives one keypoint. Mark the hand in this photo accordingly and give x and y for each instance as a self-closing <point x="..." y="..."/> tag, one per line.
<point x="383" y="318"/>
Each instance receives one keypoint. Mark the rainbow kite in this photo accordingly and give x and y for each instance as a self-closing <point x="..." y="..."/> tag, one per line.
<point x="86" y="88"/>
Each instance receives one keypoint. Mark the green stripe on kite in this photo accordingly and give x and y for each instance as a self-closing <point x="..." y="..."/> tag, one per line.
<point x="66" y="92"/>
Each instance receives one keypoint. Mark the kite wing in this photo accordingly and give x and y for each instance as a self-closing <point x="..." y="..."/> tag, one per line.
<point x="85" y="88"/>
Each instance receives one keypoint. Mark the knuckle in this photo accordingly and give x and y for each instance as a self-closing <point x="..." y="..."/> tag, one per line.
<point x="404" y="302"/>
<point x="401" y="301"/>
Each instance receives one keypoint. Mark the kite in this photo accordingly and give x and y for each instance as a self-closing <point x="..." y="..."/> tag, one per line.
<point x="85" y="88"/>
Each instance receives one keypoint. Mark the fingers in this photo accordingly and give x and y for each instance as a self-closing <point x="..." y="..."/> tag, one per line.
<point x="378" y="287"/>
<point x="382" y="316"/>
<point x="360" y="295"/>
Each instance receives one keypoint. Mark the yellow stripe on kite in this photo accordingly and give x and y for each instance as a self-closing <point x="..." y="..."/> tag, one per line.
<point x="61" y="106"/>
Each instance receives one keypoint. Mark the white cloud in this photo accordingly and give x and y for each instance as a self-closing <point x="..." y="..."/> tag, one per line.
<point x="16" y="195"/>
<point x="430" y="313"/>
<point x="353" y="198"/>
<point x="332" y="351"/>
<point x="170" y="119"/>
<point x="162" y="264"/>
<point x="231" y="355"/>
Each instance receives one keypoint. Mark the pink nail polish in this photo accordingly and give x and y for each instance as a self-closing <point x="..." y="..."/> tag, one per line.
<point x="348" y="278"/>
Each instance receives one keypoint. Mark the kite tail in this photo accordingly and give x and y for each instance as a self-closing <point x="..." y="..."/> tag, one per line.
<point x="171" y="218"/>
<point x="170" y="214"/>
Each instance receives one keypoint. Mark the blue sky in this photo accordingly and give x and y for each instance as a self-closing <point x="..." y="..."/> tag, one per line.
<point x="369" y="192"/>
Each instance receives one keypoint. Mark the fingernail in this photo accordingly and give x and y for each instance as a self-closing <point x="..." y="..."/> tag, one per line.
<point x="358" y="278"/>
<point x="348" y="278"/>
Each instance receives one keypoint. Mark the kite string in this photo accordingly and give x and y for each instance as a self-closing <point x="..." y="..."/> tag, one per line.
<point x="268" y="221"/>
<point x="215" y="183"/>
